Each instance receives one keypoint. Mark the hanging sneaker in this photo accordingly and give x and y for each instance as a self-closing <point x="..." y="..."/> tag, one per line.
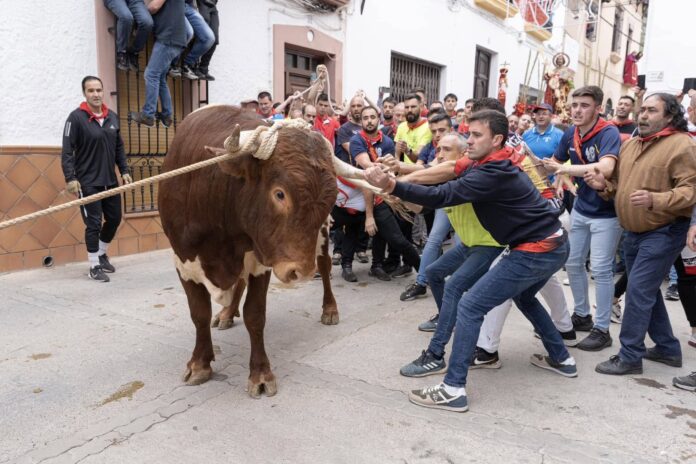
<point x="174" y="72"/>
<point x="482" y="359"/>
<point x="430" y="325"/>
<point x="437" y="397"/>
<point x="97" y="273"/>
<point x="166" y="121"/>
<point x="122" y="62"/>
<point x="413" y="291"/>
<point x="142" y="119"/>
<point x="688" y="382"/>
<point x="105" y="264"/>
<point x="672" y="294"/>
<point x="188" y="73"/>
<point x="426" y="364"/>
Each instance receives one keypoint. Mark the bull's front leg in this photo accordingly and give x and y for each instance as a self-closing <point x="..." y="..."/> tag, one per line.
<point x="329" y="315"/>
<point x="261" y="379"/>
<point x="225" y="318"/>
<point x="198" y="368"/>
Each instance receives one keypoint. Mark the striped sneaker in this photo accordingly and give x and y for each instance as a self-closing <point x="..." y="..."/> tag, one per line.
<point x="426" y="364"/>
<point x="437" y="397"/>
<point x="566" y="368"/>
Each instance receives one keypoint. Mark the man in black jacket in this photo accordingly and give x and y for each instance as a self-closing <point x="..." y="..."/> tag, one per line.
<point x="92" y="145"/>
<point x="514" y="212"/>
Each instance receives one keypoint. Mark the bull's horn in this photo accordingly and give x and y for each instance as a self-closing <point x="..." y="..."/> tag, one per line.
<point x="232" y="142"/>
<point x="346" y="170"/>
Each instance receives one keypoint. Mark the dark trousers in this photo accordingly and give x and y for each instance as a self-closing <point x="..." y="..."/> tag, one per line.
<point x="109" y="208"/>
<point x="212" y="19"/>
<point x="388" y="231"/>
<point x="686" y="284"/>
<point x="352" y="224"/>
<point x="649" y="256"/>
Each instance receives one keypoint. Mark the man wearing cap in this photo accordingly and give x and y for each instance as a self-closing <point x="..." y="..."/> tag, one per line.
<point x="543" y="138"/>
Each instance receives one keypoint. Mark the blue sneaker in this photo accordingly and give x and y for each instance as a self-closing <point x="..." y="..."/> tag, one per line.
<point x="437" y="398"/>
<point x="426" y="364"/>
<point x="566" y="368"/>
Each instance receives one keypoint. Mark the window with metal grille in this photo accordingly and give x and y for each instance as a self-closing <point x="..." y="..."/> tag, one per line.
<point x="618" y="26"/>
<point x="409" y="73"/>
<point x="146" y="148"/>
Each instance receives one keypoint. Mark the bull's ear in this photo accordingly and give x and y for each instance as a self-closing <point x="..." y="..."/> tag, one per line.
<point x="242" y="166"/>
<point x="239" y="166"/>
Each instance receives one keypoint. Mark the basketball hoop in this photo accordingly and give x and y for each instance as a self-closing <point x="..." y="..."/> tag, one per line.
<point x="536" y="12"/>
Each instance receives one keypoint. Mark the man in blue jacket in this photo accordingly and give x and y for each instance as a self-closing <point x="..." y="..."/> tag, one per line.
<point x="512" y="210"/>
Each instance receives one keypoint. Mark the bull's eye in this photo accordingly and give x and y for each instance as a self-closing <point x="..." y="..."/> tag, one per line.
<point x="280" y="195"/>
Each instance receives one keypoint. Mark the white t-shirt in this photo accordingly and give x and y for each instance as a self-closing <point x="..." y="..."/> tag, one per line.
<point x="349" y="197"/>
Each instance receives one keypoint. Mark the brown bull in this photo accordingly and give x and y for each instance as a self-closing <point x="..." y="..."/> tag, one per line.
<point x="240" y="219"/>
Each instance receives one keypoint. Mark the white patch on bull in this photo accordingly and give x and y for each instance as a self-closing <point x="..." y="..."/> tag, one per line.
<point x="252" y="266"/>
<point x="193" y="271"/>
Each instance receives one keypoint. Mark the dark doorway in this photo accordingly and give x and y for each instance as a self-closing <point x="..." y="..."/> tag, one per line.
<point x="482" y="73"/>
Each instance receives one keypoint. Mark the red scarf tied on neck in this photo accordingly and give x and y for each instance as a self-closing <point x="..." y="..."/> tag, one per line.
<point x="577" y="141"/>
<point x="416" y="124"/>
<point x="465" y="163"/>
<point x="86" y="108"/>
<point x="667" y="131"/>
<point x="621" y="123"/>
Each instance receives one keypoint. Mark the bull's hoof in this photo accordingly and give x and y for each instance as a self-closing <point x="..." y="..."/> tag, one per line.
<point x="224" y="320"/>
<point x="225" y="324"/>
<point x="197" y="376"/>
<point x="329" y="318"/>
<point x="266" y="383"/>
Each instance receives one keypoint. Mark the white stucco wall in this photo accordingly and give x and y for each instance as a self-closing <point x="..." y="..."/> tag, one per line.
<point x="243" y="61"/>
<point x="670" y="47"/>
<point x="430" y="30"/>
<point x="46" y="48"/>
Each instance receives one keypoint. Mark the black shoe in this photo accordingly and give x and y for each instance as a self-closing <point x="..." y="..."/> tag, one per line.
<point x="209" y="77"/>
<point x="348" y="274"/>
<point x="615" y="366"/>
<point x="651" y="354"/>
<point x="122" y="62"/>
<point x="174" y="72"/>
<point x="402" y="271"/>
<point x="413" y="291"/>
<point x="389" y="268"/>
<point x="582" y="323"/>
<point x="379" y="273"/>
<point x="166" y="121"/>
<point x="672" y="294"/>
<point x="141" y="119"/>
<point x="105" y="264"/>
<point x="133" y="62"/>
<point x="597" y="340"/>
<point x="569" y="337"/>
<point x="188" y="73"/>
<point x="362" y="257"/>
<point x="482" y="359"/>
<point x="97" y="273"/>
<point x="199" y="74"/>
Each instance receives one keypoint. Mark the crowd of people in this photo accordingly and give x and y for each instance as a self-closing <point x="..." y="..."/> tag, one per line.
<point x="494" y="187"/>
<point x="186" y="33"/>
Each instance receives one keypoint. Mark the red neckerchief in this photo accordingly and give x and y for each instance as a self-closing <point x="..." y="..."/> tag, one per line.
<point x="452" y="114"/>
<point x="667" y="131"/>
<point x="371" y="141"/>
<point x="577" y="142"/>
<point x="505" y="153"/>
<point x="424" y="113"/>
<point x="85" y="107"/>
<point x="621" y="124"/>
<point x="463" y="128"/>
<point x="391" y="124"/>
<point x="417" y="124"/>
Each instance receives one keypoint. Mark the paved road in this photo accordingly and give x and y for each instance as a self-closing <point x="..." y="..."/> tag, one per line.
<point x="91" y="373"/>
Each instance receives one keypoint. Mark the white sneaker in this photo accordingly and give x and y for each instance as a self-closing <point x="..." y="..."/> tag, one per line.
<point x="616" y="315"/>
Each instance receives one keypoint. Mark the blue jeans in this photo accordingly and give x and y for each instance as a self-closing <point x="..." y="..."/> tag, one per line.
<point x="431" y="251"/>
<point x="649" y="256"/>
<point x="205" y="38"/>
<point x="156" y="79"/>
<point x="519" y="275"/>
<point x="126" y="11"/>
<point x="599" y="237"/>
<point x="465" y="265"/>
<point x="673" y="276"/>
